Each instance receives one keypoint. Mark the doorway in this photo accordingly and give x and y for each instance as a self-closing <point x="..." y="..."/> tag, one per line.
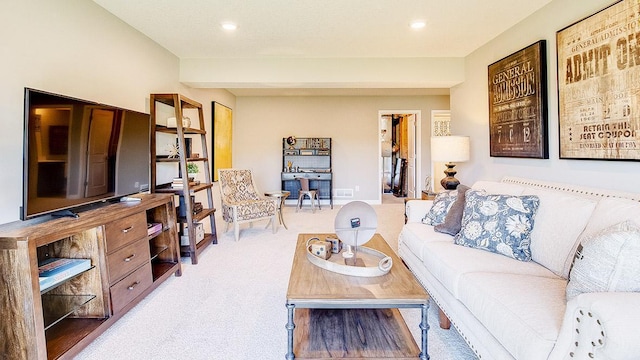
<point x="399" y="149"/>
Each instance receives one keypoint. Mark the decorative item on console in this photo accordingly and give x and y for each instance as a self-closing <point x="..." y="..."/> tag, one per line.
<point x="320" y="248"/>
<point x="291" y="140"/>
<point x="199" y="231"/>
<point x="336" y="244"/>
<point x="171" y="122"/>
<point x="355" y="225"/>
<point x="173" y="150"/>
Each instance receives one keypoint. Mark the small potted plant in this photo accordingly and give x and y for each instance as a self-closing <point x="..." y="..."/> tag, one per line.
<point x="192" y="170"/>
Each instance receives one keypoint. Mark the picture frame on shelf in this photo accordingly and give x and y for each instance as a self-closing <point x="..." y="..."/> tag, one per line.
<point x="518" y="113"/>
<point x="598" y="106"/>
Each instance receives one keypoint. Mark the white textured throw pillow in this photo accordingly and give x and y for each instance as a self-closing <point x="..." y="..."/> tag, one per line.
<point x="559" y="222"/>
<point x="607" y="261"/>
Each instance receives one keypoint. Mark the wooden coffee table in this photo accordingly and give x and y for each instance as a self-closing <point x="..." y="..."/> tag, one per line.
<point x="341" y="316"/>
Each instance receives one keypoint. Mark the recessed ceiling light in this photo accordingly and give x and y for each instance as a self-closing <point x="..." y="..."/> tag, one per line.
<point x="418" y="24"/>
<point x="229" y="26"/>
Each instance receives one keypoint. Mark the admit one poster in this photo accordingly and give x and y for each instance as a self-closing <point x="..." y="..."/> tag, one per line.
<point x="599" y="85"/>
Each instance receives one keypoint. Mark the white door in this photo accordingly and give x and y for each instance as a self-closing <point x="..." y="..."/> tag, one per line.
<point x="413" y="183"/>
<point x="98" y="152"/>
<point x="411" y="156"/>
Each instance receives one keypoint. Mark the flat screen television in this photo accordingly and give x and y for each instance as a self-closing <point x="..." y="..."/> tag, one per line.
<point x="79" y="153"/>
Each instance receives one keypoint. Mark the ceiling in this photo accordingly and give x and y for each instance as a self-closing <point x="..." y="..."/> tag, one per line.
<point x="191" y="29"/>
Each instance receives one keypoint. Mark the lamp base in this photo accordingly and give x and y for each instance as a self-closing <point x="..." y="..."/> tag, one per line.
<point x="450" y="182"/>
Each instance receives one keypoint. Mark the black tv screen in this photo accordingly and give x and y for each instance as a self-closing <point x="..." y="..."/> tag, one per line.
<point x="78" y="152"/>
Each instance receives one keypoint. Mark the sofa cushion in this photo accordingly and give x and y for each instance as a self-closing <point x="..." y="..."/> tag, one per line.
<point x="415" y="235"/>
<point x="559" y="221"/>
<point x="441" y="205"/>
<point x="607" y="261"/>
<point x="448" y="262"/>
<point x="453" y="221"/>
<point x="498" y="223"/>
<point x="523" y="312"/>
<point x="610" y="211"/>
<point x="496" y="187"/>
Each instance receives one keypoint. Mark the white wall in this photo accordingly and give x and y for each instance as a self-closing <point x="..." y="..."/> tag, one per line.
<point x="260" y="123"/>
<point x="74" y="48"/>
<point x="323" y="72"/>
<point x="470" y="113"/>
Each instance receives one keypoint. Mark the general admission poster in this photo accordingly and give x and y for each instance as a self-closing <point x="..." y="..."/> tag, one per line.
<point x="599" y="85"/>
<point x="518" y="104"/>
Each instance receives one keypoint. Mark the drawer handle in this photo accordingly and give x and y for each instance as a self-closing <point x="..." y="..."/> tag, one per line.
<point x="128" y="258"/>
<point x="133" y="286"/>
<point x="127" y="229"/>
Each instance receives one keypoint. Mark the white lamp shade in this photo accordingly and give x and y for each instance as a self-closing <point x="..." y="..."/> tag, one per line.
<point x="450" y="148"/>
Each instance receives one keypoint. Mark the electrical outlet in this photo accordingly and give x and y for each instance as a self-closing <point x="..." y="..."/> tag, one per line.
<point x="357" y="187"/>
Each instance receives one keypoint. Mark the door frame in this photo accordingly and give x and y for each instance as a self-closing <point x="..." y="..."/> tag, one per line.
<point x="418" y="147"/>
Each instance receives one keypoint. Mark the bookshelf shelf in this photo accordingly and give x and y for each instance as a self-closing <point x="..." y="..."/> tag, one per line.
<point x="55" y="272"/>
<point x="156" y="251"/>
<point x="70" y="304"/>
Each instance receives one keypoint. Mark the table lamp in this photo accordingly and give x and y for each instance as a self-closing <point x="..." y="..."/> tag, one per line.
<point x="450" y="150"/>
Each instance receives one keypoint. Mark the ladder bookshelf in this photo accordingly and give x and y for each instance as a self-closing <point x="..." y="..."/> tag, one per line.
<point x="190" y="213"/>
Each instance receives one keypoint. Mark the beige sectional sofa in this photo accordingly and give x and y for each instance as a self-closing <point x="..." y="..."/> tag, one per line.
<point x="506" y="308"/>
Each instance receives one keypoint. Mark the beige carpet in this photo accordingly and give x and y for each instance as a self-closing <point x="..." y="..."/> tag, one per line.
<point x="232" y="304"/>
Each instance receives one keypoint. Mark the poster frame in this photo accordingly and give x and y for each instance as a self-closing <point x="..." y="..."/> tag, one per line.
<point x="518" y="110"/>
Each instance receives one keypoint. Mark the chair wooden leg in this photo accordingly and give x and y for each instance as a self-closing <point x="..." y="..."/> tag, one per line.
<point x="236" y="230"/>
<point x="273" y="220"/>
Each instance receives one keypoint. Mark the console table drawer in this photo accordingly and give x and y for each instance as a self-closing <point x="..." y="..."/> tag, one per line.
<point x="127" y="259"/>
<point x="127" y="289"/>
<point x="126" y="230"/>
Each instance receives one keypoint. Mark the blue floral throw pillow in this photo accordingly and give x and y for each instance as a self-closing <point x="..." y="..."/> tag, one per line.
<point x="441" y="205"/>
<point x="498" y="223"/>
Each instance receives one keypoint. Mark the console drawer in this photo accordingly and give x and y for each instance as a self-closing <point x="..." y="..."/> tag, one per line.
<point x="127" y="259"/>
<point x="127" y="289"/>
<point x="126" y="230"/>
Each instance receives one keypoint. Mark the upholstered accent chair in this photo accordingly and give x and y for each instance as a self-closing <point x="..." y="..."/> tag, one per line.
<point x="241" y="201"/>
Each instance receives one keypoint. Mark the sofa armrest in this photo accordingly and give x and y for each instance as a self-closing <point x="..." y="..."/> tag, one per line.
<point x="600" y="325"/>
<point x="415" y="210"/>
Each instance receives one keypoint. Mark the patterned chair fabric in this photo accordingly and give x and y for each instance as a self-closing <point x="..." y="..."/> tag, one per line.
<point x="241" y="201"/>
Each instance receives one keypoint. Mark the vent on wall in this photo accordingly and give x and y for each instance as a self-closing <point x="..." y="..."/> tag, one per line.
<point x="343" y="193"/>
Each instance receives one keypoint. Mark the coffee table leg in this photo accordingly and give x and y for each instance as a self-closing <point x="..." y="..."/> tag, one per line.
<point x="290" y="326"/>
<point x="424" y="326"/>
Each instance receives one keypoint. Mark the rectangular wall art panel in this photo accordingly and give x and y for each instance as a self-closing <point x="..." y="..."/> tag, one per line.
<point x="518" y="104"/>
<point x="599" y="85"/>
<point x="222" y="136"/>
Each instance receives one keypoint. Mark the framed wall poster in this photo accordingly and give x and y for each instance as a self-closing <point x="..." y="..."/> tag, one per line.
<point x="518" y="104"/>
<point x="222" y="137"/>
<point x="599" y="85"/>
